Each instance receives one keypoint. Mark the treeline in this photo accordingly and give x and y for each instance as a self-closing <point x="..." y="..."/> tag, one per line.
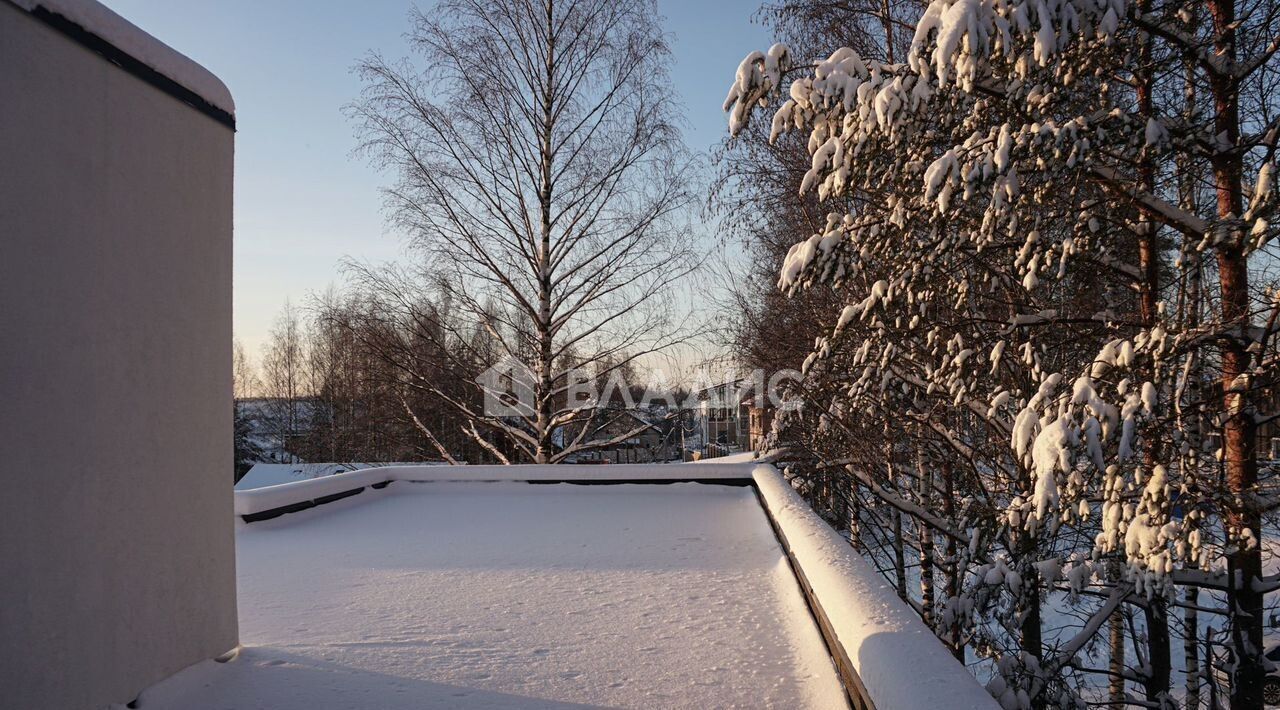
<point x="385" y="369"/>
<point x="1024" y="253"/>
<point x="338" y="381"/>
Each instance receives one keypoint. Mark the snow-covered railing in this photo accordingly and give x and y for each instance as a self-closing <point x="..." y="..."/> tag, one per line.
<point x="886" y="656"/>
<point x="270" y="501"/>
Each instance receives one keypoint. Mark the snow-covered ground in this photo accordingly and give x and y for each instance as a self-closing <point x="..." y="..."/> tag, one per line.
<point x="429" y="595"/>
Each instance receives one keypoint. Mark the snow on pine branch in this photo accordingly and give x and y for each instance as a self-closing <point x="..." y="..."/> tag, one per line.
<point x="956" y="39"/>
<point x="759" y="75"/>
<point x="973" y="176"/>
<point x="1018" y="267"/>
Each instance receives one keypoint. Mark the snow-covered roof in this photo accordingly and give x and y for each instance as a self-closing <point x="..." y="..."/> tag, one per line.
<point x="511" y="595"/>
<point x="98" y="20"/>
<point x="504" y="586"/>
<point x="723" y="386"/>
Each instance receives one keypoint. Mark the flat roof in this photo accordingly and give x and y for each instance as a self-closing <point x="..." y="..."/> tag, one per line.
<point x="511" y="594"/>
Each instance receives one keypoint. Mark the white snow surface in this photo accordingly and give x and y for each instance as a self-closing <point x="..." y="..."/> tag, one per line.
<point x="901" y="663"/>
<point x="130" y="39"/>
<point x="455" y="595"/>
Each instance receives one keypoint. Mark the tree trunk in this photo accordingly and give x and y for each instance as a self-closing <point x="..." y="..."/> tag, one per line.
<point x="1191" y="649"/>
<point x="1157" y="681"/>
<point x="926" y="544"/>
<point x="952" y="565"/>
<point x="1187" y="184"/>
<point x="895" y="530"/>
<point x="899" y="555"/>
<point x="854" y="513"/>
<point x="1239" y="438"/>
<point x="546" y="382"/>
<point x="1115" y="685"/>
<point x="886" y="23"/>
<point x="1032" y="636"/>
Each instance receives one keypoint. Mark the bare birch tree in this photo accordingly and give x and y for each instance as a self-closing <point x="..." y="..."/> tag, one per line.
<point x="538" y="165"/>
<point x="283" y="362"/>
<point x="245" y="381"/>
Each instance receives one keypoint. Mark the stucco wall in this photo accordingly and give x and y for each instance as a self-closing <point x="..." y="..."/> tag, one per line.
<point x="116" y="526"/>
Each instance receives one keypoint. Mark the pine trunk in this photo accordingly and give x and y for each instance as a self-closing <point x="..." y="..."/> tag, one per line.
<point x="1115" y="687"/>
<point x="952" y="563"/>
<point x="1191" y="649"/>
<point x="1239" y="436"/>
<point x="926" y="546"/>
<point x="1158" y="652"/>
<point x="1032" y="635"/>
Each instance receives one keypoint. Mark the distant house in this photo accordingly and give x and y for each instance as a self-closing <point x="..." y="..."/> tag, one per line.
<point x="732" y="417"/>
<point x="277" y="427"/>
<point x="723" y="415"/>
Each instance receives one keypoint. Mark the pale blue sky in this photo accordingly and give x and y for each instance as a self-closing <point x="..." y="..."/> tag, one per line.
<point x="302" y="203"/>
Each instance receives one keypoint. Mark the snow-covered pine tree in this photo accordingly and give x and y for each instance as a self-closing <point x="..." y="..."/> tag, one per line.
<point x="1027" y="269"/>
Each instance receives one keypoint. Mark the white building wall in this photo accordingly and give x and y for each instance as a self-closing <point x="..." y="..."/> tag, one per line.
<point x="116" y="525"/>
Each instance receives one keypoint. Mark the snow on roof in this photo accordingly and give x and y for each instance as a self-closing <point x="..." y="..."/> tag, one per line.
<point x="505" y="586"/>
<point x="435" y="595"/>
<point x="726" y="385"/>
<point x="274" y="474"/>
<point x="256" y="501"/>
<point x="99" y="20"/>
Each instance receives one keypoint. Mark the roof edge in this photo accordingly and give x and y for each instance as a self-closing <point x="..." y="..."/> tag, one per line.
<point x="99" y="29"/>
